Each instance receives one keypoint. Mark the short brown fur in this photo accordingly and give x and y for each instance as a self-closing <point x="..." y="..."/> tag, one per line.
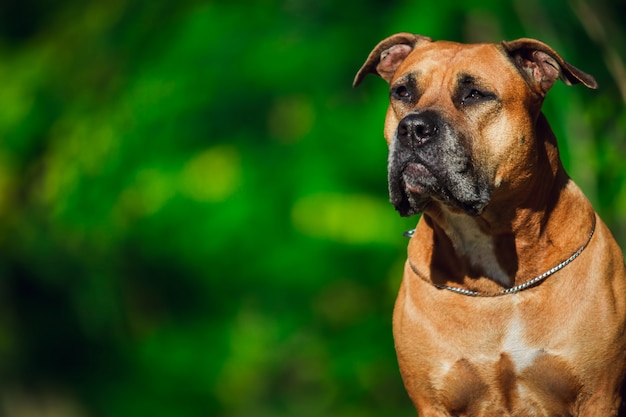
<point x="555" y="349"/>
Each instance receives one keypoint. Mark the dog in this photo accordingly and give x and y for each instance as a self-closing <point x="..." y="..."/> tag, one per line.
<point x="513" y="298"/>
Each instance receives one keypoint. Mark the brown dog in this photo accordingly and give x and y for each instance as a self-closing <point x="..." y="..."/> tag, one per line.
<point x="513" y="301"/>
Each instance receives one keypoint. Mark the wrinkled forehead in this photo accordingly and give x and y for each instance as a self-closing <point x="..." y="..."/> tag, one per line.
<point x="445" y="63"/>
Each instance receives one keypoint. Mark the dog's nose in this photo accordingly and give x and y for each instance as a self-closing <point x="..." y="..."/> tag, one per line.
<point x="417" y="129"/>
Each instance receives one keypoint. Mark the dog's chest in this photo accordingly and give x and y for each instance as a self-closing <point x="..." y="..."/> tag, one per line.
<point x="515" y="345"/>
<point x="529" y="383"/>
<point x="495" y="367"/>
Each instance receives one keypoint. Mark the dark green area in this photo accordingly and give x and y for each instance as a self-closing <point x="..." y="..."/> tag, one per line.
<point x="193" y="205"/>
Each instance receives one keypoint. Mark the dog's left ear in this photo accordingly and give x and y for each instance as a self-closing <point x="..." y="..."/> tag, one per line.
<point x="541" y="65"/>
<point x="387" y="56"/>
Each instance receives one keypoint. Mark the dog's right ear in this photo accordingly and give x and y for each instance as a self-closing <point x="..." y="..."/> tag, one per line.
<point x="541" y="66"/>
<point x="387" y="56"/>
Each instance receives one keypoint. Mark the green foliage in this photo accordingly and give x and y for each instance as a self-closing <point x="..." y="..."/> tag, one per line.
<point x="193" y="208"/>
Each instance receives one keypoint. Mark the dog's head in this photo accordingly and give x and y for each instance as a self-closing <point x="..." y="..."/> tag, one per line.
<point x="462" y="117"/>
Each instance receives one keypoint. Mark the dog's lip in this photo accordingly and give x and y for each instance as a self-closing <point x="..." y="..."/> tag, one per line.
<point x="411" y="175"/>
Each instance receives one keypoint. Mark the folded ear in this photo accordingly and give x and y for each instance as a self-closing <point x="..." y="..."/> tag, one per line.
<point x="541" y="65"/>
<point x="387" y="56"/>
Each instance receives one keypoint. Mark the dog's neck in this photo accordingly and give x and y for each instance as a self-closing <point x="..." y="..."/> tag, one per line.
<point x="508" y="244"/>
<point x="470" y="254"/>
<point x="475" y="246"/>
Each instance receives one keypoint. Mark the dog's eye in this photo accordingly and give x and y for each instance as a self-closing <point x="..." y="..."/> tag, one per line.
<point x="474" y="95"/>
<point x="401" y="92"/>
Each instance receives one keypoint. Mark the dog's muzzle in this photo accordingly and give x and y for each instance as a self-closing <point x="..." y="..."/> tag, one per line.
<point x="428" y="161"/>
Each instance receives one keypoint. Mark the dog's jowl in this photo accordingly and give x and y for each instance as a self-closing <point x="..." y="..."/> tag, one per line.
<point x="513" y="300"/>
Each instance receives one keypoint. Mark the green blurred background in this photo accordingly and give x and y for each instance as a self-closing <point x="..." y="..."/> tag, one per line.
<point x="193" y="203"/>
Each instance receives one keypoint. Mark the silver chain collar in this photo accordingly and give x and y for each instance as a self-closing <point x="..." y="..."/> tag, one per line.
<point x="521" y="287"/>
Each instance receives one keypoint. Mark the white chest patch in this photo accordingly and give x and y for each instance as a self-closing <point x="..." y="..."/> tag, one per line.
<point x="515" y="345"/>
<point x="478" y="247"/>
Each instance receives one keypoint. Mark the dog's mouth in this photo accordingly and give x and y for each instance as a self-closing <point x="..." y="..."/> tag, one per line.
<point x="413" y="177"/>
<point x="411" y="188"/>
<point x="428" y="162"/>
<point x="414" y="187"/>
